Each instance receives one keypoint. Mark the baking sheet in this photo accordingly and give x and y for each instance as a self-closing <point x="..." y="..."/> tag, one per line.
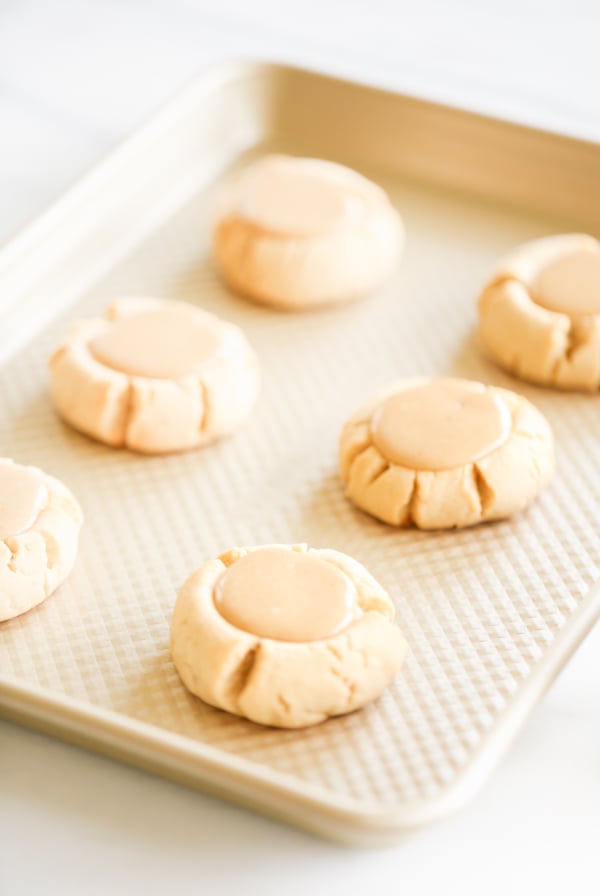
<point x="490" y="613"/>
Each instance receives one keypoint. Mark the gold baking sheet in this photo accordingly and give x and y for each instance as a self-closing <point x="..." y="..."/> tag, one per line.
<point x="491" y="613"/>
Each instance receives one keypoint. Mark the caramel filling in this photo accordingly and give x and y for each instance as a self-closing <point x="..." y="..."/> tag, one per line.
<point x="440" y="425"/>
<point x="22" y="497"/>
<point x="286" y="595"/>
<point x="162" y="344"/>
<point x="296" y="196"/>
<point x="571" y="284"/>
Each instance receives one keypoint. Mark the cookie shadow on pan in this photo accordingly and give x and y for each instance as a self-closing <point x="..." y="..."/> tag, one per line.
<point x="37" y="430"/>
<point x="329" y="519"/>
<point x="155" y="694"/>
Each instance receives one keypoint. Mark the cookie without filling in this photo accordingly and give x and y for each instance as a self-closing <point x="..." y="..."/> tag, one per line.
<point x="155" y="376"/>
<point x="540" y="312"/>
<point x="39" y="530"/>
<point x="297" y="233"/>
<point x="285" y="635"/>
<point x="444" y="453"/>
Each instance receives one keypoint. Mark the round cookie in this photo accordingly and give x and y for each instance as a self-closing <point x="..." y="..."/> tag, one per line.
<point x="154" y="376"/>
<point x="39" y="529"/>
<point x="444" y="453"/>
<point x="297" y="233"/>
<point x="285" y="635"/>
<point x="540" y="312"/>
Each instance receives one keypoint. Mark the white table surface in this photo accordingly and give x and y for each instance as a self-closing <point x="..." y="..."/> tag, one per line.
<point x="74" y="79"/>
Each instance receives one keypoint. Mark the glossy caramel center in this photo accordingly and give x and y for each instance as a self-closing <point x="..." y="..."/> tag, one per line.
<point x="296" y="196"/>
<point x="571" y="284"/>
<point x="22" y="497"/>
<point x="286" y="595"/>
<point x="440" y="424"/>
<point x="163" y="344"/>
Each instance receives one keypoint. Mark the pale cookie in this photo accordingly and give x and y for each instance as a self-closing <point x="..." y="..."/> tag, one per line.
<point x="154" y="376"/>
<point x="285" y="635"/>
<point x="39" y="529"/>
<point x="296" y="233"/>
<point x="540" y="313"/>
<point x="444" y="453"/>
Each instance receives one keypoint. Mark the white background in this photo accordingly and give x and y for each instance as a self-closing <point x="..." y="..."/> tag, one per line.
<point x="75" y="77"/>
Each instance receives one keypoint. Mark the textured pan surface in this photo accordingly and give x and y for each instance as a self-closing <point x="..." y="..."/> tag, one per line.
<point x="481" y="608"/>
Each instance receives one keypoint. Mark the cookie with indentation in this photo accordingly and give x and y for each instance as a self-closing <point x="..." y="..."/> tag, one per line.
<point x="285" y="635"/>
<point x="154" y="376"/>
<point x="445" y="453"/>
<point x="39" y="530"/>
<point x="296" y="233"/>
<point x="540" y="312"/>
